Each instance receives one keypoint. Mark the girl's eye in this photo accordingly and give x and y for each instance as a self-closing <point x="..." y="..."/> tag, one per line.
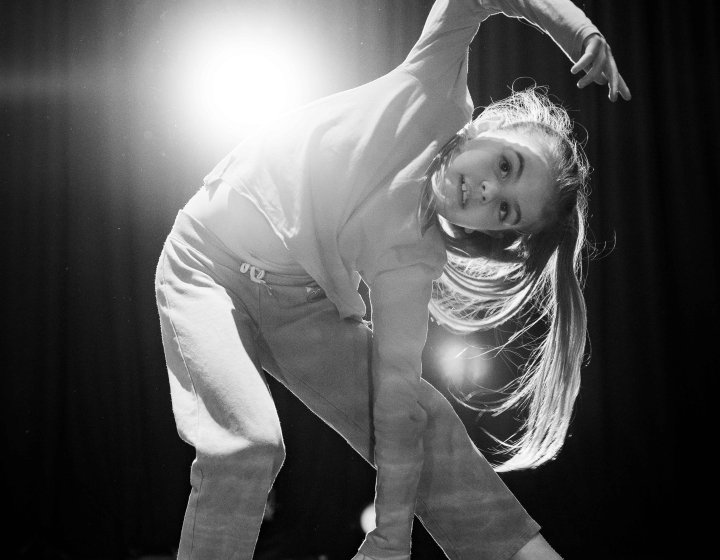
<point x="504" y="210"/>
<point x="505" y="167"/>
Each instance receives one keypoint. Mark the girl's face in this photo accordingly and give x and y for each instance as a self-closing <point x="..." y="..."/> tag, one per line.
<point x="500" y="180"/>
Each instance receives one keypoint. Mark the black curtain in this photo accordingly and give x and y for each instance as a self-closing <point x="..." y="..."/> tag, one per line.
<point x="95" y="167"/>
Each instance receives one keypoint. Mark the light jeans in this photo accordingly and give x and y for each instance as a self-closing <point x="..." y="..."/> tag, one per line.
<point x="223" y="322"/>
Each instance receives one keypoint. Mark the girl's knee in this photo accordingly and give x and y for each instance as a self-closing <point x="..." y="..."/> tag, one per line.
<point x="267" y="448"/>
<point x="269" y="454"/>
<point x="245" y="459"/>
<point x="250" y="445"/>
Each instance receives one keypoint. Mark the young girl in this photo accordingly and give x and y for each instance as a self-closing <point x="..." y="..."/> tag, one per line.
<point x="261" y="269"/>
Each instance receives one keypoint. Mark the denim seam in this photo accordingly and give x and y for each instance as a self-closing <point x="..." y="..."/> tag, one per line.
<point x="163" y="285"/>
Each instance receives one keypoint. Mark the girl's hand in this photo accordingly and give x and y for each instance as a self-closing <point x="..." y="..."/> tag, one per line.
<point x="598" y="62"/>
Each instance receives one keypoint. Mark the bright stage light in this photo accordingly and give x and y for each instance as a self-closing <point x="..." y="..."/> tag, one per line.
<point x="461" y="363"/>
<point x="367" y="518"/>
<point x="231" y="81"/>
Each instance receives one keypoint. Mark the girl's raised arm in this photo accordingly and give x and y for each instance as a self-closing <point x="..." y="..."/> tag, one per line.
<point x="451" y="25"/>
<point x="563" y="21"/>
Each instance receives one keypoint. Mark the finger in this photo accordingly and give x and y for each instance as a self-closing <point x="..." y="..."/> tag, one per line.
<point x="595" y="73"/>
<point x="613" y="81"/>
<point x="623" y="89"/>
<point x="584" y="62"/>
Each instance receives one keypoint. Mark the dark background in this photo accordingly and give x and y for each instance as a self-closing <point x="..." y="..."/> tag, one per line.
<point x="95" y="164"/>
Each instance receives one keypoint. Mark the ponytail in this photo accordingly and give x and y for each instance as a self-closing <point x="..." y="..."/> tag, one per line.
<point x="529" y="278"/>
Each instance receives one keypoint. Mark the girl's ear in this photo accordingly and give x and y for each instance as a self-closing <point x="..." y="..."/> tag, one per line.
<point x="478" y="126"/>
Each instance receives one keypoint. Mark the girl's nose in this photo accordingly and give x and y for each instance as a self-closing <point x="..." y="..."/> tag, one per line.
<point x="484" y="191"/>
<point x="487" y="191"/>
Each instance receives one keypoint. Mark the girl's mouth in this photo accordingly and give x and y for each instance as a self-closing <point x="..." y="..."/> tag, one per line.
<point x="463" y="192"/>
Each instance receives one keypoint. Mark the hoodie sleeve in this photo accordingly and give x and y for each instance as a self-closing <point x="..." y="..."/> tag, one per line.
<point x="399" y="301"/>
<point x="452" y="24"/>
<point x="566" y="24"/>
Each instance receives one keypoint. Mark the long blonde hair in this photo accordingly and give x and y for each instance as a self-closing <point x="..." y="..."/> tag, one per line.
<point x="527" y="277"/>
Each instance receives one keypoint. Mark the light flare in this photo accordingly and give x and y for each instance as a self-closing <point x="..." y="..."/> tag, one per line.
<point x="230" y="82"/>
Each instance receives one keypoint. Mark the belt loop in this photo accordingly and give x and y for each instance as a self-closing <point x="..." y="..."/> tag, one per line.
<point x="257" y="275"/>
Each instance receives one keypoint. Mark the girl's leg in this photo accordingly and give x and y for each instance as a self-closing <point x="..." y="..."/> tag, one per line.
<point x="221" y="404"/>
<point x="324" y="361"/>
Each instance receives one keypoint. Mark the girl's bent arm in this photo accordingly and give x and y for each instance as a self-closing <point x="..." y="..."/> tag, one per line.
<point x="399" y="301"/>
<point x="440" y="54"/>
<point x="575" y="34"/>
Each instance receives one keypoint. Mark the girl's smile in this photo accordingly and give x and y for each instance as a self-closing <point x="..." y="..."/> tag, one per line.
<point x="500" y="180"/>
